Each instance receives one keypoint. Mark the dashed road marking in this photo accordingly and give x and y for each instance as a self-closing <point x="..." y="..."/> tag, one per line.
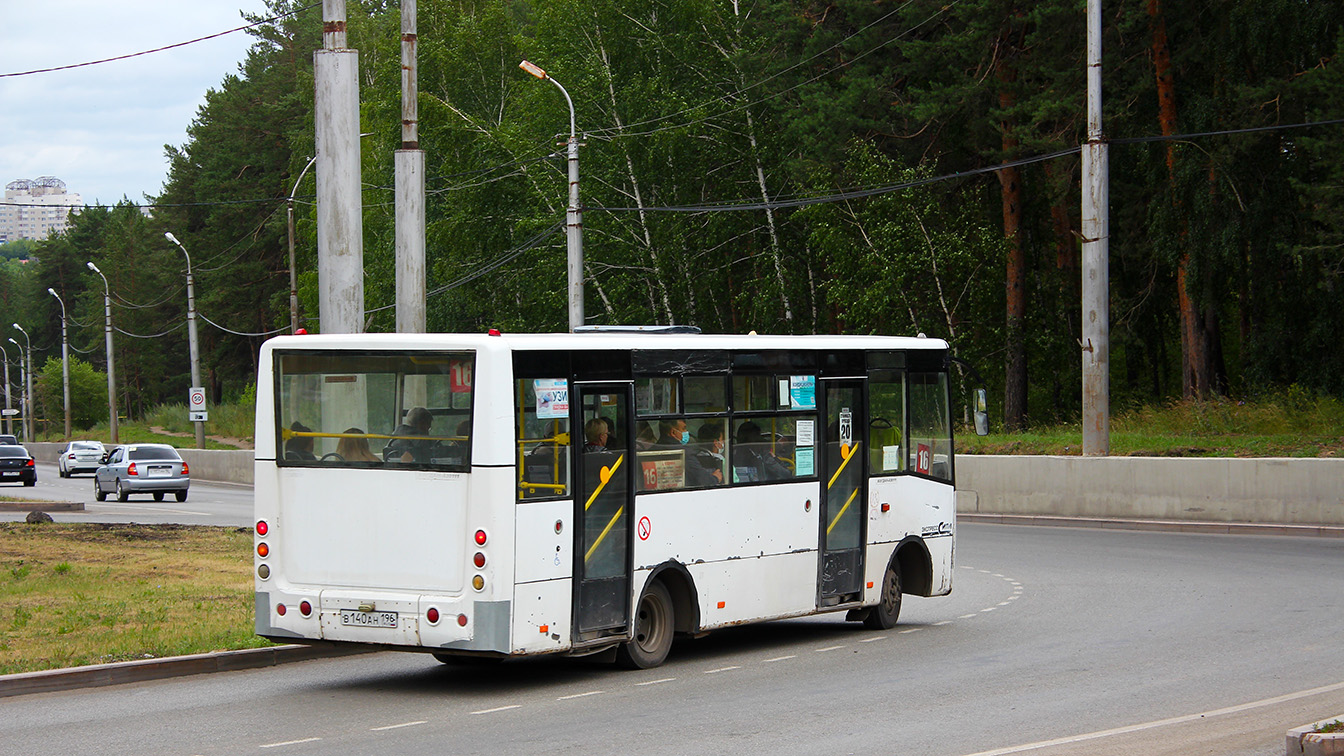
<point x="655" y="682"/>
<point x="873" y="639"/>
<point x="828" y="648"/>
<point x="289" y="743"/>
<point x="396" y="726"/>
<point x="781" y="658"/>
<point x="498" y="708"/>
<point x="720" y="669"/>
<point x="911" y="630"/>
<point x="581" y="695"/>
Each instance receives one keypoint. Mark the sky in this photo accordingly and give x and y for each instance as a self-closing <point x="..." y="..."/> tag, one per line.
<point x="102" y="129"/>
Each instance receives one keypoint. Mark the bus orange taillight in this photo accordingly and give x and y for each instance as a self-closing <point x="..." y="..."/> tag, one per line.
<point x="478" y="582"/>
<point x="263" y="550"/>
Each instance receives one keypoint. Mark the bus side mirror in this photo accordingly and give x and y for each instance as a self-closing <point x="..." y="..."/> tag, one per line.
<point x="981" y="414"/>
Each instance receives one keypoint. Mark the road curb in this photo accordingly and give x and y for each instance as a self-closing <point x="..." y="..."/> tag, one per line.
<point x="141" y="670"/>
<point x="44" y="506"/>
<point x="1175" y="526"/>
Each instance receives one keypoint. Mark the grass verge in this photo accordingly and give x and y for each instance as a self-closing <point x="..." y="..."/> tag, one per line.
<point x="77" y="594"/>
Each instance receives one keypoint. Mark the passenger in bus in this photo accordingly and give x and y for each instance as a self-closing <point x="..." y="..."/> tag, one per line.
<point x="595" y="435"/>
<point x="613" y="441"/>
<point x="645" y="438"/>
<point x="752" y="459"/>
<point x="300" y="448"/>
<point x="706" y="466"/>
<point x="356" y="449"/>
<point x="417" y="424"/>
<point x="672" y="434"/>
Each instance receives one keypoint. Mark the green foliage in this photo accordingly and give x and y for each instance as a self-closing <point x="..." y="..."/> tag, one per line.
<point x="88" y="393"/>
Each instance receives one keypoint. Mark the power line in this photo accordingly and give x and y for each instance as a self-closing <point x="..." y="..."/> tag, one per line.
<point x="239" y="333"/>
<point x="155" y="336"/>
<point x="161" y="49"/>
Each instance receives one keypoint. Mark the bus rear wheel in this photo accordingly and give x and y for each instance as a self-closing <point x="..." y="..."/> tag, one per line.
<point x="888" y="609"/>
<point x="653" y="630"/>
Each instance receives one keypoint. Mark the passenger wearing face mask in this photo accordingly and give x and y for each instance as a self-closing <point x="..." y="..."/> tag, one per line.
<point x="672" y="434"/>
<point x="706" y="467"/>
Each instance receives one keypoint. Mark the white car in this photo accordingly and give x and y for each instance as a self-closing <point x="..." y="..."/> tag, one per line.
<point x="80" y="456"/>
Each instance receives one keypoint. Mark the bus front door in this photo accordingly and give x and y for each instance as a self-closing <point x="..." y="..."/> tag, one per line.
<point x="843" y="500"/>
<point x="603" y="507"/>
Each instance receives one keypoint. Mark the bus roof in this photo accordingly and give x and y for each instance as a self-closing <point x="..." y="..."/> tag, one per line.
<point x="602" y="341"/>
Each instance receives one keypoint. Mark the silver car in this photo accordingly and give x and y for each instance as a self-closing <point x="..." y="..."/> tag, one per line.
<point x="142" y="468"/>
<point x="80" y="456"/>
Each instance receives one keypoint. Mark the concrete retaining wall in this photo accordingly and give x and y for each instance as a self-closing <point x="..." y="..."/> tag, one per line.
<point x="1297" y="491"/>
<point x="222" y="465"/>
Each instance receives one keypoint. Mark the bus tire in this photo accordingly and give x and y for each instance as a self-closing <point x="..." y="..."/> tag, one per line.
<point x="653" y="630"/>
<point x="883" y="616"/>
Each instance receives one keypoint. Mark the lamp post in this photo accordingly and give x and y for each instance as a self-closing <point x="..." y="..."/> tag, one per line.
<point x="65" y="362"/>
<point x="23" y="398"/>
<point x="191" y="336"/>
<point x="574" y="216"/>
<point x="9" y="421"/>
<point x="293" y="283"/>
<point x="111" y="373"/>
<point x="27" y="354"/>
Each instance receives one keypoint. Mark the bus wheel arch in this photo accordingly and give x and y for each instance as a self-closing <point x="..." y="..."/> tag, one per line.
<point x="916" y="566"/>
<point x="685" y="599"/>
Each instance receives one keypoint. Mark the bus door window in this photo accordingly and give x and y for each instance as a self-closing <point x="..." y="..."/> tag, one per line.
<point x="843" y="502"/>
<point x="542" y="437"/>
<point x="886" y="421"/>
<point x="605" y="509"/>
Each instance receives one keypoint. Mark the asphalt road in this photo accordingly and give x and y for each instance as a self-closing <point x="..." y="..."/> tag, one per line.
<point x="206" y="504"/>
<point x="1110" y="642"/>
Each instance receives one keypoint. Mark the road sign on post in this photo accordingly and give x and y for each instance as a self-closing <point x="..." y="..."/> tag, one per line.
<point x="9" y="413"/>
<point x="196" y="405"/>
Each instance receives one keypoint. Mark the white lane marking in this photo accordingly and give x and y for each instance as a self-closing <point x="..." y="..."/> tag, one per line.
<point x="911" y="630"/>
<point x="397" y="726"/>
<point x="990" y="609"/>
<point x="945" y="622"/>
<point x="1163" y="722"/>
<point x="720" y="669"/>
<point x="1004" y="603"/>
<point x="500" y="708"/>
<point x="998" y="575"/>
<point x="967" y="567"/>
<point x="873" y="640"/>
<point x="828" y="648"/>
<point x="966" y="616"/>
<point x="781" y="658"/>
<point x="289" y="742"/>
<point x="655" y="682"/>
<point x="582" y="695"/>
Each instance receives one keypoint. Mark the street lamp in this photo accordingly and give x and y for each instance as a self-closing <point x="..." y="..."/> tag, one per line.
<point x="111" y="374"/>
<point x="23" y="398"/>
<point x="9" y="421"/>
<point x="65" y="362"/>
<point x="293" y="283"/>
<point x="191" y="336"/>
<point x="27" y="355"/>
<point x="574" y="216"/>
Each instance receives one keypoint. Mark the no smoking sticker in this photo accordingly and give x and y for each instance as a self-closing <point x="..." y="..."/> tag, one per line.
<point x="645" y="527"/>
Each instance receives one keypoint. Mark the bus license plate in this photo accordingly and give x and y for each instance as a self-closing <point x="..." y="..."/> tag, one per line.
<point x="368" y="619"/>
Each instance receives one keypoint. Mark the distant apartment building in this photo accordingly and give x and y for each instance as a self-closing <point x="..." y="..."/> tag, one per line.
<point x="37" y="208"/>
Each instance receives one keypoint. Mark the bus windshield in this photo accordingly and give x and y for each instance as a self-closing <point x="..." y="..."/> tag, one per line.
<point x="374" y="409"/>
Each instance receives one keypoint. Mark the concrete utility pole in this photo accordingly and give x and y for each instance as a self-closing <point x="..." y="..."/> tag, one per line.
<point x="30" y="424"/>
<point x="111" y="372"/>
<point x="65" y="362"/>
<point x="23" y="398"/>
<point x="574" y="216"/>
<point x="9" y="421"/>
<point x="340" y="219"/>
<point x="191" y="337"/>
<point x="410" y="189"/>
<point x="1096" y="340"/>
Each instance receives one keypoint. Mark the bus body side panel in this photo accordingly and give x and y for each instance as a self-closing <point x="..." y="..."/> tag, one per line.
<point x="726" y="536"/>
<point x="917" y="507"/>
<point x="544" y="566"/>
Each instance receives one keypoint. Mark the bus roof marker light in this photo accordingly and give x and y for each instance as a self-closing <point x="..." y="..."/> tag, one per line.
<point x="493" y="332"/>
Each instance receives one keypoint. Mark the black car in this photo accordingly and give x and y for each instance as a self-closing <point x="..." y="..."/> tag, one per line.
<point x="6" y="438"/>
<point x="16" y="464"/>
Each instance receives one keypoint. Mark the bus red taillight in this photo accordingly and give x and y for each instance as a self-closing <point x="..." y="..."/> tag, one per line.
<point x="432" y="615"/>
<point x="480" y="538"/>
<point x="306" y="608"/>
<point x="262" y="527"/>
<point x="478" y="560"/>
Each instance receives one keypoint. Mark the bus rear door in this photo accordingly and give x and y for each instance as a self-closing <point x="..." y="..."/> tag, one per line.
<point x="603" y="508"/>
<point x="843" y="500"/>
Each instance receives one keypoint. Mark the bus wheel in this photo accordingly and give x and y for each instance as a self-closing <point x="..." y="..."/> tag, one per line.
<point x="883" y="616"/>
<point x="653" y="630"/>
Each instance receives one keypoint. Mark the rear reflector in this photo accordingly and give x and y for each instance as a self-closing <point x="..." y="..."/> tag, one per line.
<point x="432" y="615"/>
<point x="306" y="608"/>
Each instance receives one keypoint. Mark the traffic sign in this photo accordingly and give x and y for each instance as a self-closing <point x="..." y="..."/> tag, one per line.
<point x="9" y="413"/>
<point x="198" y="417"/>
<point x="196" y="400"/>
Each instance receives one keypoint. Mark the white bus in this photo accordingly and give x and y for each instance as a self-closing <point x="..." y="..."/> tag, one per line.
<point x="520" y="494"/>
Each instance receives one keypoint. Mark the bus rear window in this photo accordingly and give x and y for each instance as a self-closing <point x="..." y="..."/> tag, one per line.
<point x="379" y="409"/>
